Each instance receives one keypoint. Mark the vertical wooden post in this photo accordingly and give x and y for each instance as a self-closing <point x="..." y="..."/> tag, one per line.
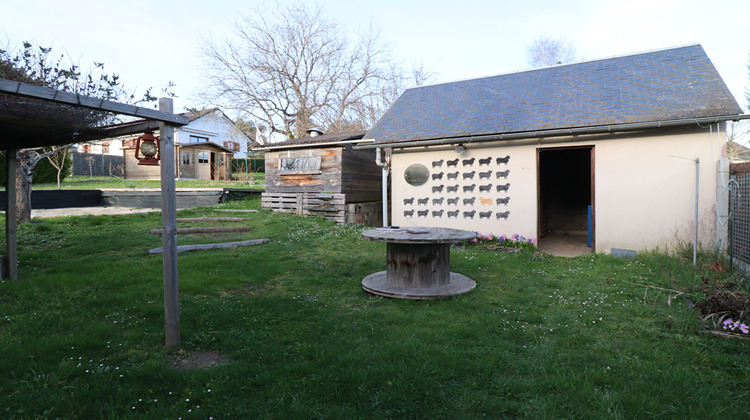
<point x="10" y="266"/>
<point x="169" y="228"/>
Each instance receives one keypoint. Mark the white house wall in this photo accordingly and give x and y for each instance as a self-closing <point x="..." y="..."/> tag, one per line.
<point x="644" y="190"/>
<point x="217" y="129"/>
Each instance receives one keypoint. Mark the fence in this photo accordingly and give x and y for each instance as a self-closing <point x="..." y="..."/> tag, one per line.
<point x="90" y="164"/>
<point x="739" y="221"/>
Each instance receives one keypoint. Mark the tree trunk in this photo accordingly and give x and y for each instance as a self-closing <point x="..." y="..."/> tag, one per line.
<point x="27" y="160"/>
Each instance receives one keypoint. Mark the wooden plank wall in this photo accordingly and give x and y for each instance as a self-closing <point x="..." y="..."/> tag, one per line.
<point x="361" y="177"/>
<point x="328" y="180"/>
<point x="307" y="204"/>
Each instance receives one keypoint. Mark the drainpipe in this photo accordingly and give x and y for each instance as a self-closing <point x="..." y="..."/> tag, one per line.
<point x="381" y="162"/>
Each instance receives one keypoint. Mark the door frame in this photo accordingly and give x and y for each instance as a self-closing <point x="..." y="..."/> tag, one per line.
<point x="592" y="186"/>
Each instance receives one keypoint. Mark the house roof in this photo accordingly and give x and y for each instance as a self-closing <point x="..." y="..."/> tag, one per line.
<point x="206" y="144"/>
<point x="195" y="114"/>
<point x="667" y="85"/>
<point x="322" y="140"/>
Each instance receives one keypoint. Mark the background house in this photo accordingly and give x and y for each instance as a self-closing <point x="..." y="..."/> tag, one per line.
<point x="612" y="147"/>
<point x="323" y="175"/>
<point x="106" y="158"/>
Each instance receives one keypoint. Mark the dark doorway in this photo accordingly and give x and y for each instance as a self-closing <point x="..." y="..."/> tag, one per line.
<point x="213" y="166"/>
<point x="565" y="194"/>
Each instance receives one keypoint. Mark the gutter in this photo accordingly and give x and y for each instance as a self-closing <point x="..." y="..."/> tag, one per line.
<point x="605" y="129"/>
<point x="381" y="162"/>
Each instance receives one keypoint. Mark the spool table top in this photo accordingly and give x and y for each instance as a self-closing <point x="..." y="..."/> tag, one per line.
<point x="419" y="235"/>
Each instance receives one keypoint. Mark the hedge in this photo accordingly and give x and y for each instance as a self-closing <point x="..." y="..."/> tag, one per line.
<point x="254" y="165"/>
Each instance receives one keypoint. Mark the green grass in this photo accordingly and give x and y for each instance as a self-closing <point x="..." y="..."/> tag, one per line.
<point x="540" y="337"/>
<point x="105" y="182"/>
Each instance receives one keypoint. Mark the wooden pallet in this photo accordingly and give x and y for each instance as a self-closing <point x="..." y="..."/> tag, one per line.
<point x="330" y="206"/>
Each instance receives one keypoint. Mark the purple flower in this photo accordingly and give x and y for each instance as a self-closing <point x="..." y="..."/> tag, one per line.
<point x="744" y="329"/>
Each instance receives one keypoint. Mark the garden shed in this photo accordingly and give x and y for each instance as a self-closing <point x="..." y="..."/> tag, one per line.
<point x="613" y="155"/>
<point x="205" y="161"/>
<point x="323" y="174"/>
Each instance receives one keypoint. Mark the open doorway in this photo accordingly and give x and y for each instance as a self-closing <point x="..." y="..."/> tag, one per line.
<point x="566" y="198"/>
<point x="213" y="166"/>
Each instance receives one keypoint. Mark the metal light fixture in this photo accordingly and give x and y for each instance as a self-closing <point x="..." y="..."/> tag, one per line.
<point x="460" y="148"/>
<point x="147" y="149"/>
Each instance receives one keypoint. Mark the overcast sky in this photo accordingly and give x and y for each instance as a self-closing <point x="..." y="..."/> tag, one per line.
<point x="152" y="42"/>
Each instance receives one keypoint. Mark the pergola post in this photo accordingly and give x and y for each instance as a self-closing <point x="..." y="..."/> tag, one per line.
<point x="10" y="260"/>
<point x="169" y="228"/>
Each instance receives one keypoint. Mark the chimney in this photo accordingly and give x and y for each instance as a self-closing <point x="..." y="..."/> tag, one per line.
<point x="314" y="132"/>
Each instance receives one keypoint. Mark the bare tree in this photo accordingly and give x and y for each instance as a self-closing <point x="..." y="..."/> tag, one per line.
<point x="291" y="68"/>
<point x="547" y="51"/>
<point x="57" y="159"/>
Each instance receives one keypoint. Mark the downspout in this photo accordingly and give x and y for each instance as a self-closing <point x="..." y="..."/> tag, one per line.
<point x="381" y="162"/>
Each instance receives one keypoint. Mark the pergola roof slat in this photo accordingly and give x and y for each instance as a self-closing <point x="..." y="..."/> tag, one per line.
<point x="45" y="93"/>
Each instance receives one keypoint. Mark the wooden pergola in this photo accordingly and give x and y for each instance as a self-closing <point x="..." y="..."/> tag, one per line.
<point x="24" y="125"/>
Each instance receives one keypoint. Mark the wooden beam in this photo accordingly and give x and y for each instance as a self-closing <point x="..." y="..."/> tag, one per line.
<point x="186" y="231"/>
<point x="211" y="219"/>
<point x="169" y="228"/>
<point x="136" y="127"/>
<point x="10" y="269"/>
<point x="223" y="245"/>
<point x="49" y="94"/>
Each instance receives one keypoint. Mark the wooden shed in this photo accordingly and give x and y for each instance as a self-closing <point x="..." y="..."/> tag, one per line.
<point x="323" y="175"/>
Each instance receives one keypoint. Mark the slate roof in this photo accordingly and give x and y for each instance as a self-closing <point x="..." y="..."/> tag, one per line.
<point x="317" y="140"/>
<point x="671" y="84"/>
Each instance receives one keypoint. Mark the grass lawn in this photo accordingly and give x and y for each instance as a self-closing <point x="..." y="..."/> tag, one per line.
<point x="540" y="337"/>
<point x="104" y="182"/>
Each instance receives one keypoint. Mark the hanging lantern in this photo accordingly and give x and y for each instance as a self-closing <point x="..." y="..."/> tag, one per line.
<point x="147" y="149"/>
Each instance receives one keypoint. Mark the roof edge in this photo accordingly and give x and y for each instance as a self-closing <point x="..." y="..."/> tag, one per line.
<point x="605" y="129"/>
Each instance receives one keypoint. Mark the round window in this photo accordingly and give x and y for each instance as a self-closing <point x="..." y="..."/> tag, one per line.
<point x="416" y="174"/>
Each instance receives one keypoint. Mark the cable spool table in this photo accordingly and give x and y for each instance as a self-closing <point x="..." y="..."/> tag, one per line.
<point x="418" y="263"/>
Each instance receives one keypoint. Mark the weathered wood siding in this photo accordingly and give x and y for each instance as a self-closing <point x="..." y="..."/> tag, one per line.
<point x="361" y="178"/>
<point x="328" y="180"/>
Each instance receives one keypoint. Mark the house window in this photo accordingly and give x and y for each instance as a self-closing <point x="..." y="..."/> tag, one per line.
<point x="105" y="147"/>
<point x="186" y="158"/>
<point x="86" y="148"/>
<point x="198" y="139"/>
<point x="232" y="145"/>
<point x="202" y="157"/>
<point x="299" y="165"/>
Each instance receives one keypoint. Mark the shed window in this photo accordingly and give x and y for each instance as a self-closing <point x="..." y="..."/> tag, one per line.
<point x="186" y="158"/>
<point x="299" y="165"/>
<point x="202" y="157"/>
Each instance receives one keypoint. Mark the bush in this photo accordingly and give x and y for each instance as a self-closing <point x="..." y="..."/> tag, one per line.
<point x="44" y="172"/>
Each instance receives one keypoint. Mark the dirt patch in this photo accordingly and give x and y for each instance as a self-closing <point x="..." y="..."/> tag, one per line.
<point x="198" y="359"/>
<point x="257" y="289"/>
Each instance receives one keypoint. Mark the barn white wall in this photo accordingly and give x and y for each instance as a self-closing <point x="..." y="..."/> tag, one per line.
<point x="644" y="189"/>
